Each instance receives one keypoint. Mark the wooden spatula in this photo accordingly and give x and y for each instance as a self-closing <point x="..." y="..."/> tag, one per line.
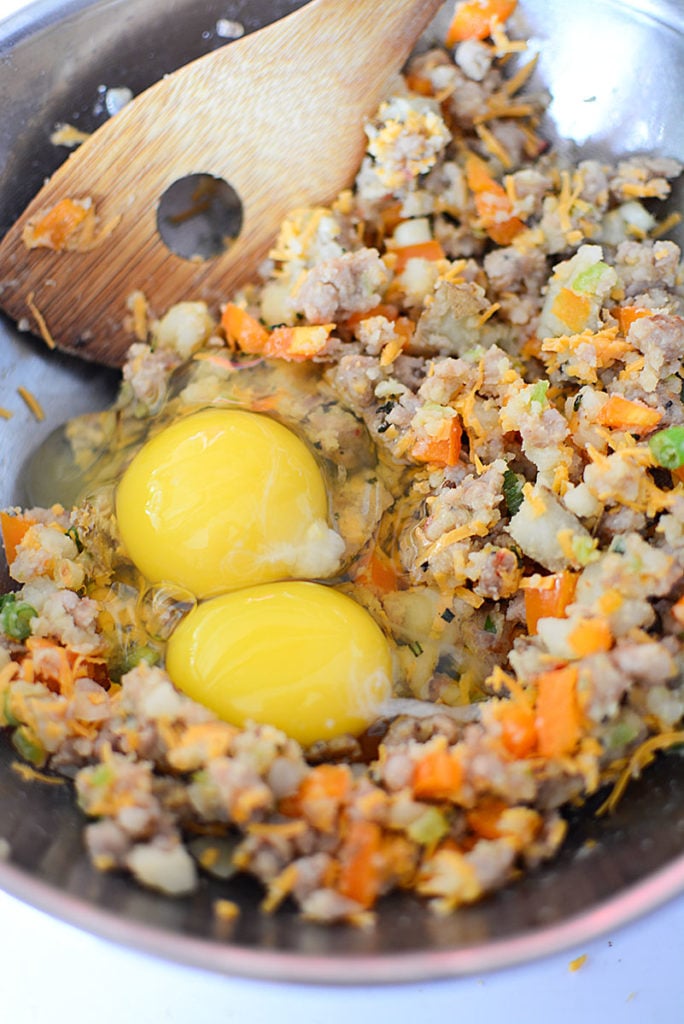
<point x="277" y="114"/>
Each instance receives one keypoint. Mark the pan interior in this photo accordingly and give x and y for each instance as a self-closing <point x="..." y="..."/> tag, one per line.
<point x="605" y="100"/>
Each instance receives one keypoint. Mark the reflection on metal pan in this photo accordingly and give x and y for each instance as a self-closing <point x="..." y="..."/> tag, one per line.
<point x="607" y="100"/>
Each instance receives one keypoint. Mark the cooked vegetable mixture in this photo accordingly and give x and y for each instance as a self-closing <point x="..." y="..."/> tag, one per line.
<point x="475" y="355"/>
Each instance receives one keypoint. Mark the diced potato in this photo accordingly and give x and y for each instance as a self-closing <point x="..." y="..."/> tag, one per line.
<point x="184" y="328"/>
<point x="412" y="232"/>
<point x="539" y="525"/>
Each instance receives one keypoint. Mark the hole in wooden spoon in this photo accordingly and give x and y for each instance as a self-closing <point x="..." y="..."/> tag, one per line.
<point x="199" y="216"/>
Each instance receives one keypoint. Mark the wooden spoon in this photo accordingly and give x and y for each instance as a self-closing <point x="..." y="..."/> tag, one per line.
<point x="277" y="114"/>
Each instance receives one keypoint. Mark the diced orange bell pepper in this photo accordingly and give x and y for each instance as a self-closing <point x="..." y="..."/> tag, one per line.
<point x="420" y="84"/>
<point x="297" y="344"/>
<point x="626" y="315"/>
<point x="477" y="174"/>
<point x="13" y="531"/>
<point x="491" y="202"/>
<point x="385" y="309"/>
<point x="623" y="414"/>
<point x="548" y="598"/>
<point x="438" y="775"/>
<point x="321" y="794"/>
<point x="518" y="728"/>
<point x="379" y="572"/>
<point x="243" y="329"/>
<point x="360" y="875"/>
<point x="590" y="636"/>
<point x="431" y="250"/>
<point x="558" y="717"/>
<point x="484" y="819"/>
<point x="572" y="309"/>
<point x="440" y="451"/>
<point x="494" y="210"/>
<point x="474" y="19"/>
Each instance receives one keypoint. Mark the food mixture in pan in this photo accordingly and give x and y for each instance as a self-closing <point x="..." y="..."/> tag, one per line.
<point x="374" y="570"/>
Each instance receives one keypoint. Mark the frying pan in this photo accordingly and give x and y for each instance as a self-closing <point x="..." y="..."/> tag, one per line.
<point x="615" y="74"/>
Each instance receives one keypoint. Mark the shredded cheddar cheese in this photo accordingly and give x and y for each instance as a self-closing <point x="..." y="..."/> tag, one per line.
<point x="640" y="759"/>
<point x="40" y="321"/>
<point x="32" y="402"/>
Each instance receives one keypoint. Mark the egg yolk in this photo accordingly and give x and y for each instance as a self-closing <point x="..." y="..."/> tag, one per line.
<point x="297" y="655"/>
<point x="226" y="498"/>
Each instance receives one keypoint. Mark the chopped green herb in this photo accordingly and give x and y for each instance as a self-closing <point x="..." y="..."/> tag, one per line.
<point x="28" y="746"/>
<point x="448" y="615"/>
<point x="584" y="549"/>
<point x="429" y="828"/>
<point x="15" y="617"/>
<point x="73" y="533"/>
<point x="101" y="775"/>
<point x="621" y="734"/>
<point x="8" y="716"/>
<point x="538" y="392"/>
<point x="129" y="657"/>
<point x="143" y="653"/>
<point x="519" y="557"/>
<point x="473" y="355"/>
<point x="415" y="648"/>
<point x="512" y="491"/>
<point x="489" y="625"/>
<point x="588" y="279"/>
<point x="578" y="401"/>
<point x="667" y="447"/>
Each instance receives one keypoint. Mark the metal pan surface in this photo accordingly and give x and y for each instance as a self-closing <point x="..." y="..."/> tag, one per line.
<point x="615" y="73"/>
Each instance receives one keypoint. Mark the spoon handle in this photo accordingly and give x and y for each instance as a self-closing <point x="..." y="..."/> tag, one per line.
<point x="277" y="114"/>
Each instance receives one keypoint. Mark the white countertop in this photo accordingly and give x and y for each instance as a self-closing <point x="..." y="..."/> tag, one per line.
<point x="52" y="971"/>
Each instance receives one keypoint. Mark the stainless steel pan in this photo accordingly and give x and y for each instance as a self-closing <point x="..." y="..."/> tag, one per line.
<point x="615" y="71"/>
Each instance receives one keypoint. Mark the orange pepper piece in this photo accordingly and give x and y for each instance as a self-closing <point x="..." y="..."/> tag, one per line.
<point x="491" y="202"/>
<point x="13" y="530"/>
<point x="296" y="344"/>
<point x="591" y="636"/>
<point x="243" y="329"/>
<point x="626" y="315"/>
<point x="321" y="793"/>
<point x="379" y="573"/>
<point x="518" y="728"/>
<point x="431" y="250"/>
<point x="572" y="309"/>
<point x="441" y="451"/>
<point x="474" y="19"/>
<point x="438" y="775"/>
<point x="484" y="818"/>
<point x="558" y="717"/>
<point x="360" y="875"/>
<point x="549" y="598"/>
<point x="623" y="414"/>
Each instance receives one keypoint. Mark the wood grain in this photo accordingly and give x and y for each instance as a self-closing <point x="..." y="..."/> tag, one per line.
<point x="278" y="114"/>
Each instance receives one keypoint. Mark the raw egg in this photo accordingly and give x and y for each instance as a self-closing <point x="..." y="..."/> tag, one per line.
<point x="297" y="655"/>
<point x="225" y="498"/>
